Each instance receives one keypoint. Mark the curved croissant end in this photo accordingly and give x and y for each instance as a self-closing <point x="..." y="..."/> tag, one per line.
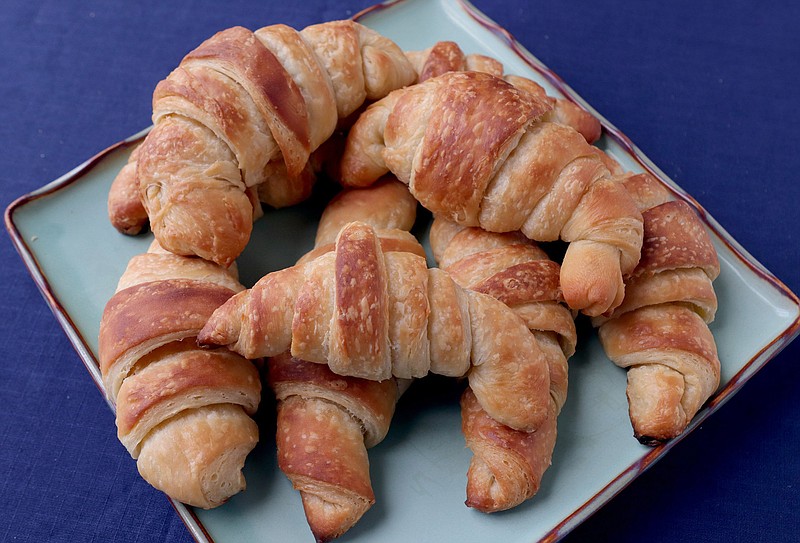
<point x="125" y="210"/>
<point x="501" y="340"/>
<point x="591" y="279"/>
<point x="335" y="488"/>
<point x="243" y="109"/>
<point x="516" y="172"/>
<point x="508" y="464"/>
<point x="256" y="323"/>
<point x="212" y="443"/>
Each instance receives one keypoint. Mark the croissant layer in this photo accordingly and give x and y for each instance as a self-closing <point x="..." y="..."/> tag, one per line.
<point x="326" y="422"/>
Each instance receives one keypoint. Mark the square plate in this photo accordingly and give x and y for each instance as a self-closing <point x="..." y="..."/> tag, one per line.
<point x="419" y="472"/>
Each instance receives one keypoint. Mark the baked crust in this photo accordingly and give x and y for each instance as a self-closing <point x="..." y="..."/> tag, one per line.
<point x="473" y="149"/>
<point x="242" y="110"/>
<point x="182" y="412"/>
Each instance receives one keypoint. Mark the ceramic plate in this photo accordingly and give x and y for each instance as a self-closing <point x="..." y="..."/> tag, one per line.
<point x="76" y="258"/>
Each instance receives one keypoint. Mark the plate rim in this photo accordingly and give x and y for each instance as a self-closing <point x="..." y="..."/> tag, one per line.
<point x="755" y="364"/>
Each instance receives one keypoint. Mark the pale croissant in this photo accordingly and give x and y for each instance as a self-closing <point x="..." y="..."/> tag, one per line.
<point x="660" y="332"/>
<point x="245" y="110"/>
<point x="371" y="313"/>
<point x="447" y="56"/>
<point x="326" y="422"/>
<point x="508" y="465"/>
<point x="182" y="412"/>
<point x="471" y="148"/>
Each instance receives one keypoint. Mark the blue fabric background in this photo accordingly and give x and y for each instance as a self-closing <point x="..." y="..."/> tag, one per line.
<point x="708" y="90"/>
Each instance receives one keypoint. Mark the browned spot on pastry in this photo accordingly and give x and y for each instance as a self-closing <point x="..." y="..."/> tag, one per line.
<point x="289" y="375"/>
<point x="680" y="329"/>
<point x="208" y="94"/>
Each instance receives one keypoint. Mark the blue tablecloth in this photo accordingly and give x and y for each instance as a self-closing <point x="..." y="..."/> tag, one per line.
<point x="708" y="90"/>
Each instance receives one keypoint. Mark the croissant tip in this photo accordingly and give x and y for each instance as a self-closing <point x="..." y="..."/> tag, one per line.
<point x="326" y="534"/>
<point x="650" y="441"/>
<point x="481" y="505"/>
<point x="205" y="343"/>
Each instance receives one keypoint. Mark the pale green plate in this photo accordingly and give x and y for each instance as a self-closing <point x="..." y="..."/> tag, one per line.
<point x="76" y="258"/>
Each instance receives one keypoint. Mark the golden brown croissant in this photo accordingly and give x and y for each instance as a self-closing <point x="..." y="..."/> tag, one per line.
<point x="508" y="464"/>
<point x="183" y="412"/>
<point x="471" y="149"/>
<point x="371" y="313"/>
<point x="660" y="332"/>
<point x="447" y="56"/>
<point x="326" y="422"/>
<point x="245" y="110"/>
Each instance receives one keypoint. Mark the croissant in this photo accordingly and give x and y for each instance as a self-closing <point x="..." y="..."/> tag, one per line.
<point x="508" y="464"/>
<point x="326" y="422"/>
<point x="660" y="332"/>
<point x="447" y="56"/>
<point x="125" y="210"/>
<point x="182" y="412"/>
<point x="471" y="149"/>
<point x="245" y="110"/>
<point x="371" y="313"/>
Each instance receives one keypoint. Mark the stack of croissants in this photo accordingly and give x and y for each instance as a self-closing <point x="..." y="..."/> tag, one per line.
<point x="250" y="121"/>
